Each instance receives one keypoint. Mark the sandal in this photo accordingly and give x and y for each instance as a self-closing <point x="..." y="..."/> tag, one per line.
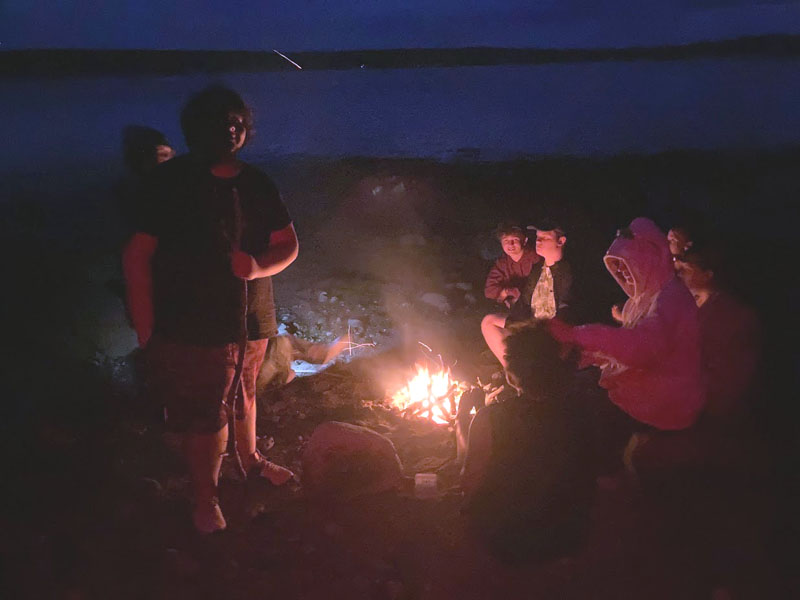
<point x="261" y="467"/>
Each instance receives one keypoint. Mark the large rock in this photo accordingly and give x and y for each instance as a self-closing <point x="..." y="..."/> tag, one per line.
<point x="343" y="461"/>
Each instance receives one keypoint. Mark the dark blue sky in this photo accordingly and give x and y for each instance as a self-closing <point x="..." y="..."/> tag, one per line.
<point x="359" y="24"/>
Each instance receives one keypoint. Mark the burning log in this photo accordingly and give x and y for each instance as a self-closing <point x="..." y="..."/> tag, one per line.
<point x="432" y="396"/>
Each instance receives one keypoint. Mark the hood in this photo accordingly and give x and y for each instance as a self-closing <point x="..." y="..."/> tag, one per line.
<point x="643" y="248"/>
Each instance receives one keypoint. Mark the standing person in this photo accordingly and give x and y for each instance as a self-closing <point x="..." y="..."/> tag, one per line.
<point x="211" y="232"/>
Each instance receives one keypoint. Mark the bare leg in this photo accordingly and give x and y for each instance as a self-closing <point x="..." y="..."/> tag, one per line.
<point x="203" y="453"/>
<point x="495" y="334"/>
<point x="246" y="437"/>
<point x="251" y="458"/>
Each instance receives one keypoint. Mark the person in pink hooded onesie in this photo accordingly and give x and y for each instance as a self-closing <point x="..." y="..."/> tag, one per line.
<point x="650" y="365"/>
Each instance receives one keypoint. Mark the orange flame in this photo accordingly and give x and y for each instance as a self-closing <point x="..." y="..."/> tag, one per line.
<point x="432" y="396"/>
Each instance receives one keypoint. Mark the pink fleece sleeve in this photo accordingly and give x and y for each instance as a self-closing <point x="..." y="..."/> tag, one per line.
<point x="639" y="346"/>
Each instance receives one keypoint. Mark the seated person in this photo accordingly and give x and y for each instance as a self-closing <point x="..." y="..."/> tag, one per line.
<point x="730" y="335"/>
<point x="679" y="240"/>
<point x="529" y="475"/>
<point x="725" y="437"/>
<point x="692" y="229"/>
<point x="546" y="292"/>
<point x="651" y="364"/>
<point x="506" y="278"/>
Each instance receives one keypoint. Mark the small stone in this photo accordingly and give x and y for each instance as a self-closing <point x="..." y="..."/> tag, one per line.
<point x="464" y="285"/>
<point x="323" y="297"/>
<point x="470" y="299"/>
<point x="435" y="300"/>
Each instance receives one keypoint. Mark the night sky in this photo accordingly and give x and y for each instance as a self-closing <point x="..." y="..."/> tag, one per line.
<point x="362" y="24"/>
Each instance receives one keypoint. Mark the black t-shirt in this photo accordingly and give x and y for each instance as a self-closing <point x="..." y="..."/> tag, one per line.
<point x="197" y="299"/>
<point x="539" y="485"/>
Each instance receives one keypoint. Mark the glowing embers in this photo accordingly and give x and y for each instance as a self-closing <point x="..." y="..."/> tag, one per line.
<point x="433" y="396"/>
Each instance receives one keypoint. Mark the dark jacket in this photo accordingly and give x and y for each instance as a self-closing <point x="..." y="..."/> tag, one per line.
<point x="562" y="290"/>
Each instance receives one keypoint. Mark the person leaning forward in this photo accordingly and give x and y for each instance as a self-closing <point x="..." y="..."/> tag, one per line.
<point x="211" y="232"/>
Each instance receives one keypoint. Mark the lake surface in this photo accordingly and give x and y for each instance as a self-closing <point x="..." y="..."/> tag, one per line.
<point x="486" y="113"/>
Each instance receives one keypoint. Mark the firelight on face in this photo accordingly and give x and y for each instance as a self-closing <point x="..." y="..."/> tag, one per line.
<point x="512" y="245"/>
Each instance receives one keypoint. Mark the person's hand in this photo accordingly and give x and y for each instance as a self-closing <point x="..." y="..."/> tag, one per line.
<point x="243" y="265"/>
<point x="512" y="294"/>
<point x="616" y="313"/>
<point x="561" y="332"/>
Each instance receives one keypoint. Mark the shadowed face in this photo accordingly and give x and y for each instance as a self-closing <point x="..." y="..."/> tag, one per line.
<point x="679" y="241"/>
<point x="234" y="134"/>
<point x="698" y="280"/>
<point x="224" y="136"/>
<point x="619" y="268"/>
<point x="164" y="153"/>
<point x="512" y="245"/>
<point x="549" y="245"/>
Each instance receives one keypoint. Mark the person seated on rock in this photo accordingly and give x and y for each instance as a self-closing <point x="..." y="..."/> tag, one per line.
<point x="508" y="274"/>
<point x="529" y="476"/>
<point x="545" y="294"/>
<point x="651" y="365"/>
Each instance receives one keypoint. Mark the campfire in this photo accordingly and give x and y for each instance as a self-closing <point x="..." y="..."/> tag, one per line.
<point x="429" y="395"/>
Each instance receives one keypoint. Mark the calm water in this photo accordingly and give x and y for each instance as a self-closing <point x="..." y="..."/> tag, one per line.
<point x="591" y="109"/>
<point x="61" y="137"/>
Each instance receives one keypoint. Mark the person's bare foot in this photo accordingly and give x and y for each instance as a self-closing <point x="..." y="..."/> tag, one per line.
<point x="207" y="516"/>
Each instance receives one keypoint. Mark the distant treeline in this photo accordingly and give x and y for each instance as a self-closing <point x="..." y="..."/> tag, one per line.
<point x="77" y="61"/>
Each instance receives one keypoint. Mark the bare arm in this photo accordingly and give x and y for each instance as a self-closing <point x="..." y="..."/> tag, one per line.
<point x="136" y="265"/>
<point x="283" y="249"/>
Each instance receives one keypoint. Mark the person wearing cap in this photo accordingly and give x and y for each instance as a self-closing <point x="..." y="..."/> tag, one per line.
<point x="545" y="294"/>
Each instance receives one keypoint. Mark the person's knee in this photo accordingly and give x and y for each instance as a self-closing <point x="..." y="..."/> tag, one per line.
<point x="492" y="322"/>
